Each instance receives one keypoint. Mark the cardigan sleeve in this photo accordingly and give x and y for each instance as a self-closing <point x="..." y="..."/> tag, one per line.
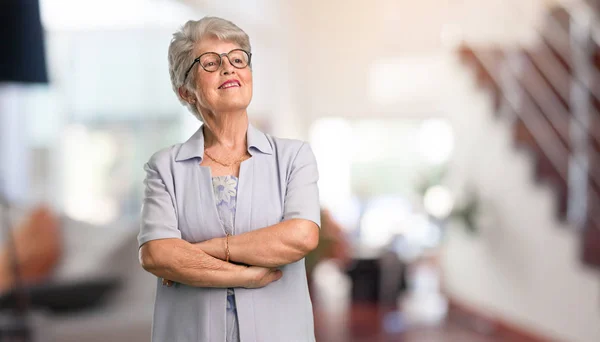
<point x="302" y="194"/>
<point x="158" y="218"/>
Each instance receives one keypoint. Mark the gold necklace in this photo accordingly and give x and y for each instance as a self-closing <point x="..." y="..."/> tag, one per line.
<point x="235" y="162"/>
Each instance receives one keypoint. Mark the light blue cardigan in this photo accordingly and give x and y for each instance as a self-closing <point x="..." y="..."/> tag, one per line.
<point x="278" y="183"/>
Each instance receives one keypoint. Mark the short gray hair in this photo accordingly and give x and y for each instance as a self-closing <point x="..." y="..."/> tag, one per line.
<point x="182" y="46"/>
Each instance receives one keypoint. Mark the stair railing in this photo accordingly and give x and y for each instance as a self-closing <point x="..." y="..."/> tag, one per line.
<point x="540" y="100"/>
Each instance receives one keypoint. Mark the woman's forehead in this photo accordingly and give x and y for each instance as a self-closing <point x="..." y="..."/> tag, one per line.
<point x="213" y="44"/>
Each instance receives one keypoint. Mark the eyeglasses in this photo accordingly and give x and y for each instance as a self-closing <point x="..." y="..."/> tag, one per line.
<point x="211" y="61"/>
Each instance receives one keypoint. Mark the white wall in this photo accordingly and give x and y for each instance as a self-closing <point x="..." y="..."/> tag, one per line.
<point x="340" y="52"/>
<point x="524" y="265"/>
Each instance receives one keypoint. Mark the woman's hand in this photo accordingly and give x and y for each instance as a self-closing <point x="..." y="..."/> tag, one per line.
<point x="261" y="276"/>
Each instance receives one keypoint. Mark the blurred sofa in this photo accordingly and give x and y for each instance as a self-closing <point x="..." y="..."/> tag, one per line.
<point x="99" y="252"/>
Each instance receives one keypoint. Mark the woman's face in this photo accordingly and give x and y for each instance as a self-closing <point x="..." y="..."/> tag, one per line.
<point x="225" y="90"/>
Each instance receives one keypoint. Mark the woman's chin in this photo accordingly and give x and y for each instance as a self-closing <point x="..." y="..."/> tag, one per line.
<point x="232" y="107"/>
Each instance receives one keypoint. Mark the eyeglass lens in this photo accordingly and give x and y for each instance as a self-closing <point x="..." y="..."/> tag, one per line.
<point x="212" y="61"/>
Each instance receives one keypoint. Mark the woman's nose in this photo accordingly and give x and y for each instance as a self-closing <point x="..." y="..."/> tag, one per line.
<point x="226" y="67"/>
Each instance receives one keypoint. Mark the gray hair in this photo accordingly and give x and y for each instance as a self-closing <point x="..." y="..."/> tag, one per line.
<point x="182" y="45"/>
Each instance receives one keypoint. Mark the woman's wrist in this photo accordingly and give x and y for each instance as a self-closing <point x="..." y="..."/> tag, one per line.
<point x="214" y="247"/>
<point x="248" y="277"/>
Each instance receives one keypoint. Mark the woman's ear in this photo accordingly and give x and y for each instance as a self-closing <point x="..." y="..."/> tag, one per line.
<point x="186" y="95"/>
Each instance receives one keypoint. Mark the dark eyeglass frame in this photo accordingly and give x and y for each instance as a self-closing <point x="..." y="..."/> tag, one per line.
<point x="221" y="55"/>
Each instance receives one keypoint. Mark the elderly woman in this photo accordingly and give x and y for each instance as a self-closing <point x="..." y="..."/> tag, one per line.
<point x="229" y="215"/>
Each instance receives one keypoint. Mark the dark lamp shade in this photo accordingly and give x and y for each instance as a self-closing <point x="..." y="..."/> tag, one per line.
<point x="22" y="54"/>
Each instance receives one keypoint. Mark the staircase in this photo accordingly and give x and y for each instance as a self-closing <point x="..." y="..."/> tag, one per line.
<point x="550" y="93"/>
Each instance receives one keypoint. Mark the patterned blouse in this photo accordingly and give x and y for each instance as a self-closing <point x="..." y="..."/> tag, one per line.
<point x="225" y="190"/>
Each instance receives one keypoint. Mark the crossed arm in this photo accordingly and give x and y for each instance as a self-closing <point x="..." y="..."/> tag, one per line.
<point x="202" y="264"/>
<point x="272" y="247"/>
<point x="167" y="256"/>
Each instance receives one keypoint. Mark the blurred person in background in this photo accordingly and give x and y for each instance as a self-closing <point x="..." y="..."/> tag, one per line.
<point x="229" y="215"/>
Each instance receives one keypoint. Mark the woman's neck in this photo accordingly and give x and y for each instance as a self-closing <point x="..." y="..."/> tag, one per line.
<point x="226" y="131"/>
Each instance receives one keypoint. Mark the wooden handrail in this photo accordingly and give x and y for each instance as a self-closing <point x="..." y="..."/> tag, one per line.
<point x="572" y="45"/>
<point x="543" y="133"/>
<point x="554" y="71"/>
<point x="552" y="109"/>
<point x="553" y="41"/>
